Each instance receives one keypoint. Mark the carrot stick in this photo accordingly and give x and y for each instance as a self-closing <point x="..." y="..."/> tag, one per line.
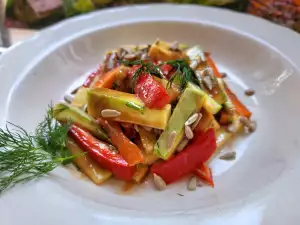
<point x="107" y="79"/>
<point x="212" y="64"/>
<point x="128" y="150"/>
<point x="225" y="118"/>
<point x="239" y="106"/>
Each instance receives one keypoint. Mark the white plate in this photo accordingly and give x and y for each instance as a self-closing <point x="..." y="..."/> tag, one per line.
<point x="260" y="187"/>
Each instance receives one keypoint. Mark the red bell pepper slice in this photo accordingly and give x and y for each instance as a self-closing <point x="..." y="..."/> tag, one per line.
<point x="196" y="153"/>
<point x="167" y="70"/>
<point x="100" y="152"/>
<point x="152" y="93"/>
<point x="204" y="173"/>
<point x="92" y="77"/>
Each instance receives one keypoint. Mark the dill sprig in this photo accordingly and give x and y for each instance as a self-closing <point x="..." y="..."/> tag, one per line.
<point x="145" y="67"/>
<point x="183" y="73"/>
<point x="24" y="157"/>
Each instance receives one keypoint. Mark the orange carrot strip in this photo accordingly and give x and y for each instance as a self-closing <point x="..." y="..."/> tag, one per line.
<point x="212" y="64"/>
<point x="128" y="150"/>
<point x="106" y="80"/>
<point x="240" y="107"/>
<point x="225" y="118"/>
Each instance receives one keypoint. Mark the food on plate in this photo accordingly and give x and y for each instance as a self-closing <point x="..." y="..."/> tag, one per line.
<point x="162" y="110"/>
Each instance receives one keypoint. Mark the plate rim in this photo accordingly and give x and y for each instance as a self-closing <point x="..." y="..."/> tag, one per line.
<point x="266" y="38"/>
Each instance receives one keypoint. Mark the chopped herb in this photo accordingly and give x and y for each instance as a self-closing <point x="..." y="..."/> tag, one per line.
<point x="180" y="194"/>
<point x="183" y="72"/>
<point x="114" y="86"/>
<point x="135" y="107"/>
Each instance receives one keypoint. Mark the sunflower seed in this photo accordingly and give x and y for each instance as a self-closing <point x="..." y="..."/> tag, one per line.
<point x="228" y="156"/>
<point x="131" y="56"/>
<point x="224" y="75"/>
<point x="75" y="90"/>
<point x="201" y="183"/>
<point x="84" y="107"/>
<point x="192" y="119"/>
<point x="159" y="182"/>
<point x="68" y="98"/>
<point x="192" y="185"/>
<point x="136" y="127"/>
<point x="247" y="123"/>
<point x="208" y="83"/>
<point x="231" y="128"/>
<point x="144" y="56"/>
<point x="195" y="63"/>
<point x="175" y="47"/>
<point x="195" y="124"/>
<point x="188" y="132"/>
<point x="171" y="139"/>
<point x="249" y="92"/>
<point x="110" y="113"/>
<point x="182" y="144"/>
<point x="147" y="128"/>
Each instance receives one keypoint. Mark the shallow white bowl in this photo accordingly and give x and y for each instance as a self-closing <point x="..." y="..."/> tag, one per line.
<point x="260" y="187"/>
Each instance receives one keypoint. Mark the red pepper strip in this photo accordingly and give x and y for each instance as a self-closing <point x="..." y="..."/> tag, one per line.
<point x="128" y="150"/>
<point x="167" y="70"/>
<point x="90" y="79"/>
<point x="152" y="93"/>
<point x="239" y="106"/>
<point x="196" y="153"/>
<point x="100" y="152"/>
<point x="204" y="173"/>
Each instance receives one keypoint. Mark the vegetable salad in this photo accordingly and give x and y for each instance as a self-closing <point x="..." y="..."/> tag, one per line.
<point x="162" y="109"/>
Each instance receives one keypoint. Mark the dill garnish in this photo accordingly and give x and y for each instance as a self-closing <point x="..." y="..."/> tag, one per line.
<point x="145" y="67"/>
<point x="183" y="73"/>
<point x="24" y="157"/>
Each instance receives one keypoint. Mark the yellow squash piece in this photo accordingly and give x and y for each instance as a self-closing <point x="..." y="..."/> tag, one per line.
<point x="131" y="108"/>
<point x="148" y="140"/>
<point x="190" y="101"/>
<point x="160" y="51"/>
<point x="141" y="173"/>
<point x="80" y="98"/>
<point x="150" y="158"/>
<point x="64" y="112"/>
<point x="87" y="165"/>
<point x="207" y="121"/>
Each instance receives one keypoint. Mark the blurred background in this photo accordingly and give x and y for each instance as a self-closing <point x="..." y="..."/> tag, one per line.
<point x="21" y="18"/>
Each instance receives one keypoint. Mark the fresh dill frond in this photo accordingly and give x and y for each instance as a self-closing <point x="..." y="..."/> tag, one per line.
<point x="145" y="67"/>
<point x="182" y="75"/>
<point x="25" y="156"/>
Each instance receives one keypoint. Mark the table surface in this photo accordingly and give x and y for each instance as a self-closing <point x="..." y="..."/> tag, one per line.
<point x="14" y="35"/>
